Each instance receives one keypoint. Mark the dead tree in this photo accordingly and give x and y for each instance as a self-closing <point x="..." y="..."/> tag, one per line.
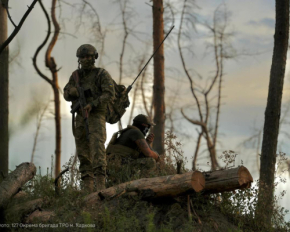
<point x="51" y="65"/>
<point x="4" y="93"/>
<point x="255" y="140"/>
<point x="159" y="81"/>
<point x="264" y="209"/>
<point x="201" y="95"/>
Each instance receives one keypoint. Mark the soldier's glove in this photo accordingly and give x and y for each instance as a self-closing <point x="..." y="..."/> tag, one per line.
<point x="88" y="107"/>
<point x="74" y="92"/>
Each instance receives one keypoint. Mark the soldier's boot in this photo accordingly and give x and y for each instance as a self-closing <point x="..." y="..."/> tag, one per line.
<point x="88" y="184"/>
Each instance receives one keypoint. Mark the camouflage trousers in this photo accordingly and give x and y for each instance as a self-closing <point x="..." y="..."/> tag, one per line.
<point x="92" y="153"/>
<point x="122" y="169"/>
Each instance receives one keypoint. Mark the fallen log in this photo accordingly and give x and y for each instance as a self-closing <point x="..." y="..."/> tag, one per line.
<point x="227" y="180"/>
<point x="40" y="216"/>
<point x="149" y="188"/>
<point x="20" y="195"/>
<point x="25" y="208"/>
<point x="14" y="181"/>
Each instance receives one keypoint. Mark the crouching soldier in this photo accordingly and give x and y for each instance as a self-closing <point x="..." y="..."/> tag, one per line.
<point x="129" y="154"/>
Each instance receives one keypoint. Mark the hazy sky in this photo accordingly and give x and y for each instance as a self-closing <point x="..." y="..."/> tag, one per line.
<point x="245" y="85"/>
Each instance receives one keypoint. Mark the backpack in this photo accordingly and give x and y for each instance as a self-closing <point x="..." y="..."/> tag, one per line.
<point x="117" y="108"/>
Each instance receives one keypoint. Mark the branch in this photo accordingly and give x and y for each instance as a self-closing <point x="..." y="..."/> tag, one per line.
<point x="199" y="123"/>
<point x="37" y="130"/>
<point x="102" y="35"/>
<point x="123" y="9"/>
<point x="9" y="16"/>
<point x="17" y="28"/>
<point x="56" y="180"/>
<point x="184" y="65"/>
<point x="219" y="92"/>
<point x="41" y="46"/>
<point x="200" y="134"/>
<point x="49" y="61"/>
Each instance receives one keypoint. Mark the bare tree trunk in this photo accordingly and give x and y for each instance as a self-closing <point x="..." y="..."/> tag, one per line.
<point x="264" y="210"/>
<point x="4" y="91"/>
<point x="158" y="88"/>
<point x="57" y="119"/>
<point x="50" y="63"/>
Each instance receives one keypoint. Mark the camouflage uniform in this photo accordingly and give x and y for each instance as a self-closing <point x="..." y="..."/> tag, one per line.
<point x="127" y="163"/>
<point x="99" y="86"/>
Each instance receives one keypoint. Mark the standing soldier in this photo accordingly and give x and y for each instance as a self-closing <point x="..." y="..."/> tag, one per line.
<point x="90" y="134"/>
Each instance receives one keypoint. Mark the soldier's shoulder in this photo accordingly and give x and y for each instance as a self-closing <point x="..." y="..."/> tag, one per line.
<point x="135" y="132"/>
<point x="103" y="74"/>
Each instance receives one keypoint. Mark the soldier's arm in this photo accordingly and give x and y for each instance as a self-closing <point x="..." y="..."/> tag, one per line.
<point x="67" y="90"/>
<point x="107" y="86"/>
<point x="145" y="149"/>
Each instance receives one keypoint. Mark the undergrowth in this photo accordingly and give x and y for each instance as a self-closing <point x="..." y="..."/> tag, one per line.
<point x="231" y="211"/>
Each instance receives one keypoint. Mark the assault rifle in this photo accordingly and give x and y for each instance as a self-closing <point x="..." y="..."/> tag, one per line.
<point x="81" y="103"/>
<point x="130" y="86"/>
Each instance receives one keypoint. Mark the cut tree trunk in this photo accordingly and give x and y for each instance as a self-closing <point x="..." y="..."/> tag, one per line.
<point x="149" y="188"/>
<point x="25" y="208"/>
<point x="40" y="216"/>
<point x="15" y="180"/>
<point x="227" y="180"/>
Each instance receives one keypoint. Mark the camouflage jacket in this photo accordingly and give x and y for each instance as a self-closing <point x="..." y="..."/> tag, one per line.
<point x="98" y="86"/>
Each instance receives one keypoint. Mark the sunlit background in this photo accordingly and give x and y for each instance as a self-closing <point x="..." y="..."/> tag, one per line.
<point x="244" y="90"/>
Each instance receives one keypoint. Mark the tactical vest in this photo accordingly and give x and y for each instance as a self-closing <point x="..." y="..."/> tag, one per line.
<point x="92" y="88"/>
<point x="121" y="150"/>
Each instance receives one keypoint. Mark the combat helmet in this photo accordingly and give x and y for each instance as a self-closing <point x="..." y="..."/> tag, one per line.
<point x="87" y="50"/>
<point x="141" y="118"/>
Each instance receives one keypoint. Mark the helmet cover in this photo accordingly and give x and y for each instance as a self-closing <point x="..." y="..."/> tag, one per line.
<point x="87" y="50"/>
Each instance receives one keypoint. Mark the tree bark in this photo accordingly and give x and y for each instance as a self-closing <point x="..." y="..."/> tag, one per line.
<point x="24" y="208"/>
<point x="264" y="210"/>
<point x="150" y="188"/>
<point x="227" y="180"/>
<point x="50" y="63"/>
<point x="15" y="180"/>
<point x="159" y="87"/>
<point x="40" y="216"/>
<point x="4" y="92"/>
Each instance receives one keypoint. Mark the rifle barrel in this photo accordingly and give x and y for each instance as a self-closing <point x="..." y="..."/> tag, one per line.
<point x="152" y="56"/>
